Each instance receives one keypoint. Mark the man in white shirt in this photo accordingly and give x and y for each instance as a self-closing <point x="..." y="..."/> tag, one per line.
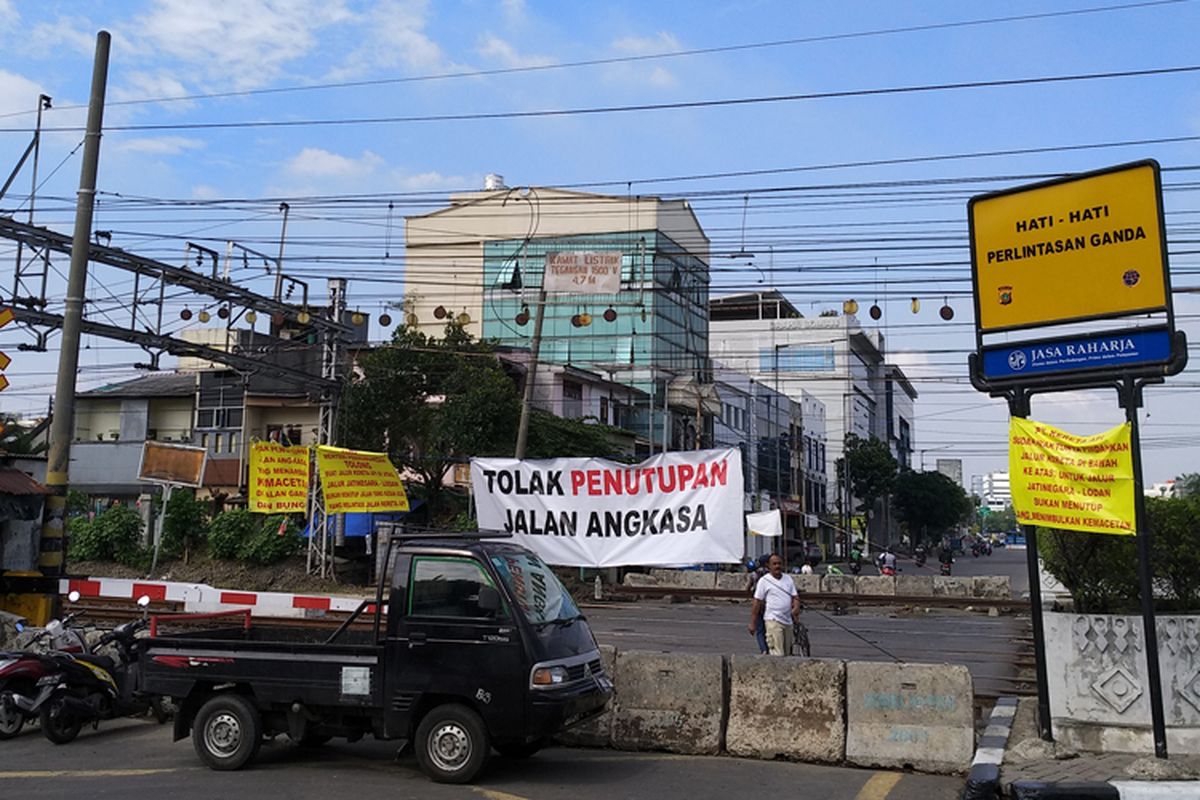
<point x="776" y="598"/>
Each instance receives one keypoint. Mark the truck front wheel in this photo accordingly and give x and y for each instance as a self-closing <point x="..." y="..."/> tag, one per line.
<point x="452" y="744"/>
<point x="227" y="732"/>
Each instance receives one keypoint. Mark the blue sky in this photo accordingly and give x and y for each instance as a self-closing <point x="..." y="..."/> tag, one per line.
<point x="805" y="234"/>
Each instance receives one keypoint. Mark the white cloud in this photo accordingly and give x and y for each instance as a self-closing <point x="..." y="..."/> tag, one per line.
<point x="495" y="49"/>
<point x="394" y="36"/>
<point x="245" y="44"/>
<point x="18" y="93"/>
<point x="159" y="146"/>
<point x="142" y="85"/>
<point x="205" y="192"/>
<point x="514" y="11"/>
<point x="648" y="72"/>
<point x="315" y="170"/>
<point x="315" y="162"/>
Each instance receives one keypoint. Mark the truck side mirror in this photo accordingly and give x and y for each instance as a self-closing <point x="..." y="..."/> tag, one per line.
<point x="489" y="600"/>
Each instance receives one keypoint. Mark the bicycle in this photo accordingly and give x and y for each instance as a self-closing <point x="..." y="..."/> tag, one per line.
<point x="800" y="639"/>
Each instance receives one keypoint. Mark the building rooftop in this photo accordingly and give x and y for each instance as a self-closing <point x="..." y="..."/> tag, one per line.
<point x="155" y="384"/>
<point x="770" y="304"/>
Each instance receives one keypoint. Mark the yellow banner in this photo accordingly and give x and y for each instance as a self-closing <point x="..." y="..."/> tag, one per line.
<point x="353" y="480"/>
<point x="278" y="478"/>
<point x="1081" y="483"/>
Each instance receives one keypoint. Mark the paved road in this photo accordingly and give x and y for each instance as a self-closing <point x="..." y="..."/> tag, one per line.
<point x="988" y="646"/>
<point x="132" y="759"/>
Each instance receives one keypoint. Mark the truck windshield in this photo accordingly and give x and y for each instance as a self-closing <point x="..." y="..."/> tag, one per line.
<point x="537" y="590"/>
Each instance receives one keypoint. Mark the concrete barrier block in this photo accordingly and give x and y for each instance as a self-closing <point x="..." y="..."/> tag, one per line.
<point x="837" y="584"/>
<point x="597" y="731"/>
<point x="914" y="585"/>
<point x="738" y="581"/>
<point x="902" y="715"/>
<point x="993" y="587"/>
<point x="685" y="578"/>
<point x="810" y="584"/>
<point x="669" y="701"/>
<point x="786" y="708"/>
<point x="875" y="584"/>
<point x="949" y="586"/>
<point x="639" y="579"/>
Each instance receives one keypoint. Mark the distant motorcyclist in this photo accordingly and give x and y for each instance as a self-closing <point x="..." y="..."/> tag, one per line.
<point x="887" y="562"/>
<point x="919" y="554"/>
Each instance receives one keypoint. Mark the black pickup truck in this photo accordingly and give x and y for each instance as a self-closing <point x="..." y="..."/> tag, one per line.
<point x="480" y="647"/>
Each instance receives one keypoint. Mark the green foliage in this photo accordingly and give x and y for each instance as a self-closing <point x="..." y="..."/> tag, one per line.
<point x="229" y="530"/>
<point x="114" y="535"/>
<point x="1100" y="570"/>
<point x="20" y="441"/>
<point x="556" y="437"/>
<point x="430" y="402"/>
<point x="929" y="503"/>
<point x="1000" y="521"/>
<point x="77" y="503"/>
<point x="184" y="524"/>
<point x="873" y="470"/>
<point x="270" y="543"/>
<point x="241" y="535"/>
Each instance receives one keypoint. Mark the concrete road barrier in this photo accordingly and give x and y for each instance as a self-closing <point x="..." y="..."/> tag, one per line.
<point x="807" y="584"/>
<point x="639" y="579"/>
<point x="737" y="581"/>
<point x="875" y="584"/>
<point x="685" y="578"/>
<point x="670" y="701"/>
<point x="914" y="585"/>
<point x="901" y="715"/>
<point x="786" y="708"/>
<point x="950" y="586"/>
<point x="992" y="587"/>
<point x="837" y="584"/>
<point x="597" y="731"/>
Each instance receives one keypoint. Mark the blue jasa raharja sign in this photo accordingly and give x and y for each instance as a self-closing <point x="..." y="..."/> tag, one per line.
<point x="1096" y="351"/>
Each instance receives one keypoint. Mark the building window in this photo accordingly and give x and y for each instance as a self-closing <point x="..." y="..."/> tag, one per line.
<point x="233" y="437"/>
<point x="446" y="588"/>
<point x="204" y="440"/>
<point x="572" y="393"/>
<point x="216" y="442"/>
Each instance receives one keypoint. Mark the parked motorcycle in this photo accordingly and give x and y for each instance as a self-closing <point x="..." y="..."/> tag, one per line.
<point x="22" y="671"/>
<point x="90" y="687"/>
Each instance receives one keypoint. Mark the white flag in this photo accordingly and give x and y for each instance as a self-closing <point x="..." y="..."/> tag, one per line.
<point x="765" y="523"/>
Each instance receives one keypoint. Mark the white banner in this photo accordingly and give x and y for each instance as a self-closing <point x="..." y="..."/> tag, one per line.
<point x="590" y="272"/>
<point x="675" y="508"/>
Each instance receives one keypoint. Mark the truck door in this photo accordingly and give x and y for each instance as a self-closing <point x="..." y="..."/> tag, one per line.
<point x="446" y="644"/>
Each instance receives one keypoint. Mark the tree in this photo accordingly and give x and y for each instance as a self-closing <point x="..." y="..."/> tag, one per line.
<point x="929" y="503"/>
<point x="1000" y="521"/>
<point x="872" y="471"/>
<point x="184" y="524"/>
<point x="1188" y="485"/>
<point x="429" y="403"/>
<point x="17" y="440"/>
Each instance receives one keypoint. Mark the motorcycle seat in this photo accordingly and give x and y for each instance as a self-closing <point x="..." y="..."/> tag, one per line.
<point x="104" y="662"/>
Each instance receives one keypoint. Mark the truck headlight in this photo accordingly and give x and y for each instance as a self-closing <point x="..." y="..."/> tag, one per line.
<point x="549" y="676"/>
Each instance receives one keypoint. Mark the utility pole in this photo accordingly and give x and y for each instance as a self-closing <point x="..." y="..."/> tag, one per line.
<point x="531" y="373"/>
<point x="51" y="561"/>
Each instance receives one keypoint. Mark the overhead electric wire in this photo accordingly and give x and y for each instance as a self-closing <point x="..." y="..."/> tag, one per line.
<point x="632" y="108"/>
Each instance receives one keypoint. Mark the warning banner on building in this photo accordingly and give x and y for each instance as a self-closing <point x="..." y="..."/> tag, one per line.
<point x="591" y="272"/>
<point x="672" y="509"/>
<point x="1081" y="483"/>
<point x="278" y="478"/>
<point x="358" y="481"/>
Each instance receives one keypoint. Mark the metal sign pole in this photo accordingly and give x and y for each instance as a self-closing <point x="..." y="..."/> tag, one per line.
<point x="1131" y="398"/>
<point x="1018" y="406"/>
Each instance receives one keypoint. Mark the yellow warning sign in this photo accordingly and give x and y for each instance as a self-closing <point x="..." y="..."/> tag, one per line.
<point x="1084" y="248"/>
<point x="1081" y="483"/>
<point x="353" y="480"/>
<point x="278" y="478"/>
